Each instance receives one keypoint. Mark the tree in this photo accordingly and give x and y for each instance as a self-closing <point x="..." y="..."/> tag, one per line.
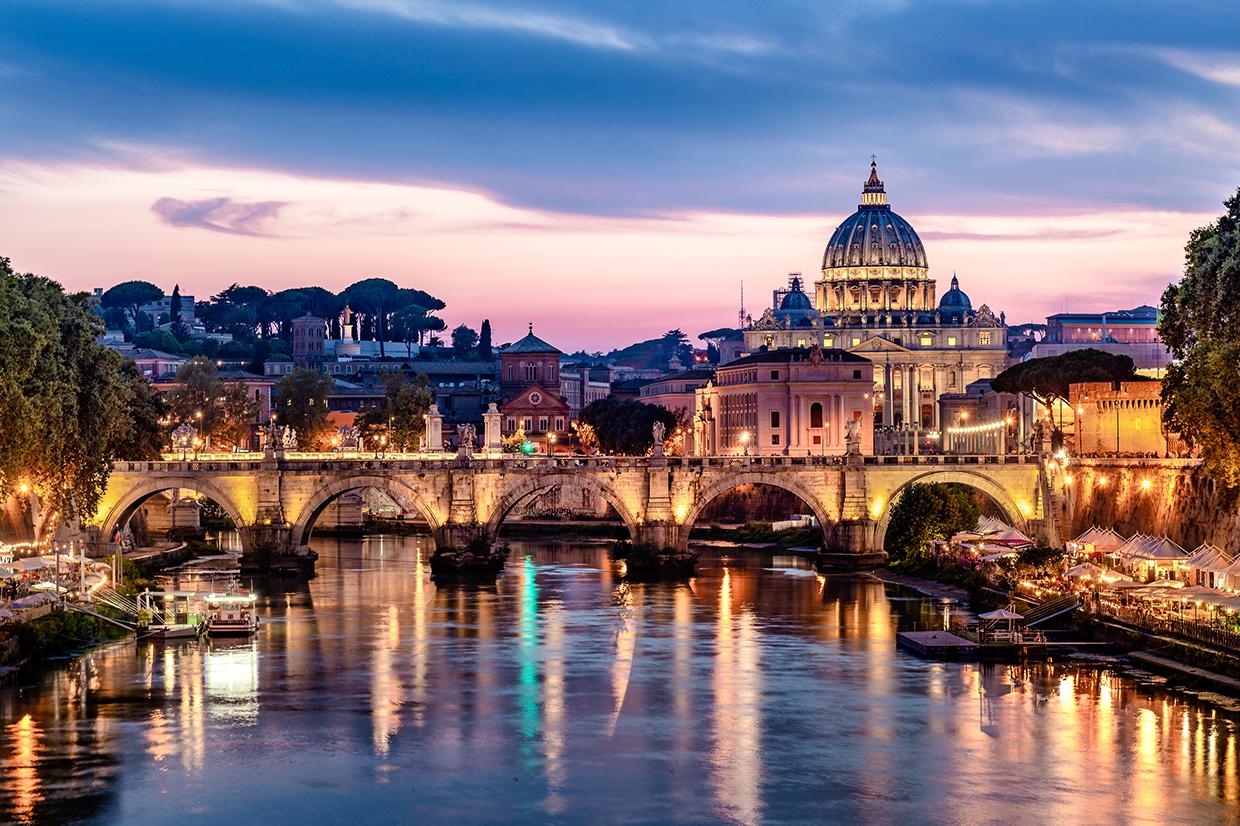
<point x="143" y="432"/>
<point x="1200" y="325"/>
<point x="464" y="341"/>
<point x="626" y="427"/>
<point x="130" y="296"/>
<point x="714" y="338"/>
<point x="221" y="411"/>
<point x="301" y="400"/>
<point x="159" y="340"/>
<point x="234" y="310"/>
<point x="62" y="396"/>
<point x="486" y="350"/>
<point x="1047" y="379"/>
<point x="400" y="417"/>
<point x="925" y="513"/>
<point x="376" y="299"/>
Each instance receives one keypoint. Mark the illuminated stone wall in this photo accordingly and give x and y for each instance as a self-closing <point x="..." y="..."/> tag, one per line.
<point x="1175" y="498"/>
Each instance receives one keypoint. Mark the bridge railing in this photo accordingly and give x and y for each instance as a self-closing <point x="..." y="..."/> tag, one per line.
<point x="245" y="462"/>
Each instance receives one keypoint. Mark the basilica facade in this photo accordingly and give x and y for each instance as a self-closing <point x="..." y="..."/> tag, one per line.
<point x="876" y="299"/>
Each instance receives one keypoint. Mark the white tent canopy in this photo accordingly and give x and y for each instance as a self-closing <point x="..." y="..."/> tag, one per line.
<point x="1088" y="569"/>
<point x="1001" y="614"/>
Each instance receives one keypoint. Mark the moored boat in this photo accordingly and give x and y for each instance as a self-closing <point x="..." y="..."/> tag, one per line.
<point x="166" y="615"/>
<point x="231" y="614"/>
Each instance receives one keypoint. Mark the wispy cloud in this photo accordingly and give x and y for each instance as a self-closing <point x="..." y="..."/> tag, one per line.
<point x="1217" y="67"/>
<point x="218" y="214"/>
<point x="579" y="31"/>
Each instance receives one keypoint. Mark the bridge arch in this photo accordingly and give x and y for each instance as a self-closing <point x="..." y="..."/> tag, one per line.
<point x="998" y="494"/>
<point x="124" y="508"/>
<point x="400" y="492"/>
<point x="531" y="487"/>
<point x="716" y="489"/>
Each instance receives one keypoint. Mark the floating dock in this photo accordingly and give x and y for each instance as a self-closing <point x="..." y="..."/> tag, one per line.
<point x="941" y="645"/>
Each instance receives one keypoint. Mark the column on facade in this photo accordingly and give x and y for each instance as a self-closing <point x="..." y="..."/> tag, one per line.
<point x="940" y="382"/>
<point x="914" y="397"/>
<point x="888" y="396"/>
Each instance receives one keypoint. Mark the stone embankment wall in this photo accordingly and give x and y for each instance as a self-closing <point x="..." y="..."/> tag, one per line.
<point x="1179" y="502"/>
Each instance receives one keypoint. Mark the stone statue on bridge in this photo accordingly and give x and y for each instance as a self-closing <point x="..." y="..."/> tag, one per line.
<point x="183" y="437"/>
<point x="659" y="431"/>
<point x="852" y="437"/>
<point x="466" y="436"/>
<point x="350" y="437"/>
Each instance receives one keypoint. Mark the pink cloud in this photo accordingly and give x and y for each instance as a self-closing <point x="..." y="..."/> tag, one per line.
<point x="586" y="282"/>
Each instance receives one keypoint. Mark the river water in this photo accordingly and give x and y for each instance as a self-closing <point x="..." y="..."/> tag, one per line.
<point x="761" y="693"/>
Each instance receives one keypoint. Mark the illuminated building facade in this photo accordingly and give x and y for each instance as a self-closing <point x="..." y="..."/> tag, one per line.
<point x="789" y="402"/>
<point x="876" y="299"/>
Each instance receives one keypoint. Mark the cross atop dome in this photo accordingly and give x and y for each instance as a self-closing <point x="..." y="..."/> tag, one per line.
<point x="873" y="193"/>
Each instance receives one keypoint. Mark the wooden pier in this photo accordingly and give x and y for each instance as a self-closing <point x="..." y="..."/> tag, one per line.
<point x="941" y="645"/>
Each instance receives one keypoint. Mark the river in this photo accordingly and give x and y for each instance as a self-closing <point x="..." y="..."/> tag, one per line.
<point x="762" y="693"/>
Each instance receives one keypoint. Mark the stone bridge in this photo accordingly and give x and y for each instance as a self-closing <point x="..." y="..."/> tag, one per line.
<point x="275" y="500"/>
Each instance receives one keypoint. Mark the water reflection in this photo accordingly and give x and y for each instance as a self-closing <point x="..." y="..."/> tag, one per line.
<point x="760" y="693"/>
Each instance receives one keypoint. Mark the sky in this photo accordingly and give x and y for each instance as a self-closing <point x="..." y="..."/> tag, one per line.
<point x="609" y="171"/>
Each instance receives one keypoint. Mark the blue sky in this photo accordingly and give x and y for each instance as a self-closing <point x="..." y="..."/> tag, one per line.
<point x="632" y="112"/>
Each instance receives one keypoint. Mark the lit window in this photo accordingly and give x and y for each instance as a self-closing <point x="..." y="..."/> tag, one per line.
<point x="951" y="341"/>
<point x="927" y="341"/>
<point x="856" y="340"/>
<point x="828" y="341"/>
<point x="983" y="338"/>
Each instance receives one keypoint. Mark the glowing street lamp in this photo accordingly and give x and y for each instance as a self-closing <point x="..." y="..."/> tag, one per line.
<point x="745" y="442"/>
<point x="550" y="443"/>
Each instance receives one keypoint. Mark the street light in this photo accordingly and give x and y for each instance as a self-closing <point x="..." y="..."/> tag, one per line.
<point x="550" y="443"/>
<point x="744" y="442"/>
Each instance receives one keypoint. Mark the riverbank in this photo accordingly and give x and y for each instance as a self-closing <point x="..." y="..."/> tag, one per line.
<point x="61" y="633"/>
<point x="929" y="587"/>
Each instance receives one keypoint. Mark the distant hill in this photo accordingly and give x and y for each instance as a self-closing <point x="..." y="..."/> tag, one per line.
<point x="652" y="353"/>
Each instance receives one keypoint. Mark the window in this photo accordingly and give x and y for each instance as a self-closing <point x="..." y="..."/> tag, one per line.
<point x="774" y="375"/>
<point x="983" y="338"/>
<point x="927" y="341"/>
<point x="559" y="422"/>
<point x="828" y="341"/>
<point x="856" y="374"/>
<point x="951" y="378"/>
<point x="542" y="424"/>
<point x="856" y="340"/>
<point x="815" y="415"/>
<point x="531" y="372"/>
<point x="951" y="341"/>
<point x="817" y="439"/>
<point x="510" y="373"/>
<point x="801" y="342"/>
<point x="774" y="418"/>
<point x="774" y="438"/>
<point x="526" y="425"/>
<point x="512" y="425"/>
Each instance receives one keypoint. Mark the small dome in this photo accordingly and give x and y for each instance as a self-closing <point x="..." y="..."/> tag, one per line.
<point x="795" y="307"/>
<point x="796" y="300"/>
<point x="955" y="301"/>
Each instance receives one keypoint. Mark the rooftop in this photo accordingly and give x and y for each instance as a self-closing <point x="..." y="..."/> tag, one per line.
<point x="793" y="355"/>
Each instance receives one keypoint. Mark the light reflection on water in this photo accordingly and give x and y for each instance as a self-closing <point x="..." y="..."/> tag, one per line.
<point x="749" y="696"/>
